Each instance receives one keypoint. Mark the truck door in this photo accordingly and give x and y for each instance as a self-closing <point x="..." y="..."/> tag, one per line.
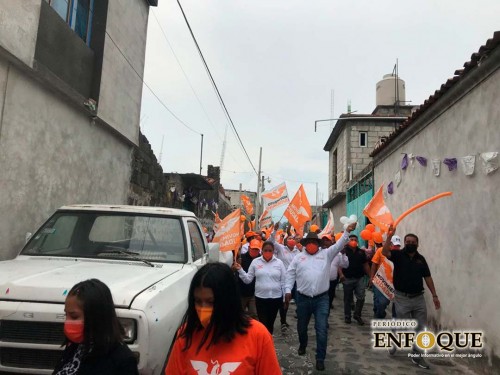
<point x="198" y="250"/>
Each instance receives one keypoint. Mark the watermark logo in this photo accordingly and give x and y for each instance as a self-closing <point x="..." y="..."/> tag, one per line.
<point x="403" y="334"/>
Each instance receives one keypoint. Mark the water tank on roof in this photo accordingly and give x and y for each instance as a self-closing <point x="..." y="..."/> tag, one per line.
<point x="388" y="92"/>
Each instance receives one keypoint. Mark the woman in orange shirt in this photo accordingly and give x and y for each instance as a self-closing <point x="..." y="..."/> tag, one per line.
<point x="216" y="336"/>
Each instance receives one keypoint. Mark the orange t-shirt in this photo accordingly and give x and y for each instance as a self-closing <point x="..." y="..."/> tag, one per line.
<point x="248" y="354"/>
<point x="378" y="258"/>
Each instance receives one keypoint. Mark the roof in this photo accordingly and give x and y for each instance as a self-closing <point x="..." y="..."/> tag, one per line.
<point x="475" y="61"/>
<point x="345" y="118"/>
<point x="196" y="181"/>
<point x="335" y="199"/>
<point x="128" y="209"/>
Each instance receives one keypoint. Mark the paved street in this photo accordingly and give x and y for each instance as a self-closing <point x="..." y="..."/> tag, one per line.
<point x="349" y="350"/>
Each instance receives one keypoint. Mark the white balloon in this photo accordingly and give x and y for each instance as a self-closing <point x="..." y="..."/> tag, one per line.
<point x="353" y="218"/>
<point x="344" y="220"/>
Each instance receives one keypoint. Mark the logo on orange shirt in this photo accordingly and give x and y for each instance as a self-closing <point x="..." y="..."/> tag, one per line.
<point x="217" y="369"/>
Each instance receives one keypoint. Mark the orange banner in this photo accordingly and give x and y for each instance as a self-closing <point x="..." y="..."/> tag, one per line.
<point x="276" y="197"/>
<point x="376" y="210"/>
<point x="383" y="279"/>
<point x="247" y="204"/>
<point x="299" y="211"/>
<point x="229" y="234"/>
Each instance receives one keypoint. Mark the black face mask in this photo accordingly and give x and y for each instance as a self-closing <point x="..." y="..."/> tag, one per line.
<point x="410" y="248"/>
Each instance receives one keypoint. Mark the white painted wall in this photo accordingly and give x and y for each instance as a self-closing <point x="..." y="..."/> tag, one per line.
<point x="51" y="155"/>
<point x="459" y="236"/>
<point x="121" y="88"/>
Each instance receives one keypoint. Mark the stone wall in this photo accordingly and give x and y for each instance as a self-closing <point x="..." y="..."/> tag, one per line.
<point x="147" y="183"/>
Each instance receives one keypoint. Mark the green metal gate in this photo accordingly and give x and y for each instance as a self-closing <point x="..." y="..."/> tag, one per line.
<point x="358" y="196"/>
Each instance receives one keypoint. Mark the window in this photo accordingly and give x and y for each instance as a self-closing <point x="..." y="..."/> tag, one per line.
<point x="110" y="235"/>
<point x="363" y="139"/>
<point x="77" y="14"/>
<point x="197" y="243"/>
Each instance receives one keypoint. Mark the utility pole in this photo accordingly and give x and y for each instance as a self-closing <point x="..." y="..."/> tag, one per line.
<point x="201" y="153"/>
<point x="317" y="208"/>
<point x="257" y="203"/>
<point x="161" y="149"/>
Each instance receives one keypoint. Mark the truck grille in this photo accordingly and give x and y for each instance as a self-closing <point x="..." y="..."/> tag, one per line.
<point x="31" y="332"/>
<point x="29" y="358"/>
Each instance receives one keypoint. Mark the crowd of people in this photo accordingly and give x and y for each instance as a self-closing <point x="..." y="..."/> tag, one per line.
<point x="231" y="313"/>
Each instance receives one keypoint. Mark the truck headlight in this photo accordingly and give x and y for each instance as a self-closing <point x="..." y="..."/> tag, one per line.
<point x="130" y="330"/>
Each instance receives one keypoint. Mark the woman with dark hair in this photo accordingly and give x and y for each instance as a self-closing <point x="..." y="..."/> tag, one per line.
<point x="93" y="333"/>
<point x="270" y="277"/>
<point x="216" y="336"/>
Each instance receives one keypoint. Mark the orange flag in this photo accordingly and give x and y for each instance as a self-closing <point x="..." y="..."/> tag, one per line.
<point x="376" y="210"/>
<point x="265" y="219"/>
<point x="229" y="234"/>
<point x="299" y="211"/>
<point x="247" y="204"/>
<point x="279" y="233"/>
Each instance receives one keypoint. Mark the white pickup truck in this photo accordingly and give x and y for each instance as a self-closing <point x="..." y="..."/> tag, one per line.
<point x="146" y="255"/>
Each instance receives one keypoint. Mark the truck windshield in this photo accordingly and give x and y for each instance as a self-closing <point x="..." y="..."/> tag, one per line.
<point x="110" y="235"/>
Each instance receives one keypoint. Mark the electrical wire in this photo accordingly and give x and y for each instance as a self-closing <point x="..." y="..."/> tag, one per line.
<point x="150" y="89"/>
<point x="215" y="87"/>
<point x="141" y="77"/>
<point x="184" y="73"/>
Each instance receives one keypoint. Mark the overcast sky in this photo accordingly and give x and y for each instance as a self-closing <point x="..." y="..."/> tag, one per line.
<point x="275" y="63"/>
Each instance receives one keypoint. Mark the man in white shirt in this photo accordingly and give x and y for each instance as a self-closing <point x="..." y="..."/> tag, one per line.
<point x="311" y="271"/>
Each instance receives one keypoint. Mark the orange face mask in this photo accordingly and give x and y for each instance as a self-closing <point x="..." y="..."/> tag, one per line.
<point x="267" y="255"/>
<point x="73" y="329"/>
<point x="204" y="314"/>
<point x="312" y="248"/>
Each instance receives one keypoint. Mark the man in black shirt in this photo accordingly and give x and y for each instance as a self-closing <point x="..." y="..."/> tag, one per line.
<point x="352" y="279"/>
<point x="410" y="270"/>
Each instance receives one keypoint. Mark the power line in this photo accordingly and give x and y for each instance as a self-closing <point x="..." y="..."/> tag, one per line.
<point x="150" y="89"/>
<point x="184" y="73"/>
<point x="142" y="79"/>
<point x="215" y="87"/>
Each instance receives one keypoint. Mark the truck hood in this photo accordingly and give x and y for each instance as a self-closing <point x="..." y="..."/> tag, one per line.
<point x="49" y="279"/>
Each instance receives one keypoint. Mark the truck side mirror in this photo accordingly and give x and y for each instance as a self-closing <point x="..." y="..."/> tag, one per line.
<point x="27" y="237"/>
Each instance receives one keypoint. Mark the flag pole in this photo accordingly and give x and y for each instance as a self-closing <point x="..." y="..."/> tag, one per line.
<point x="257" y="203"/>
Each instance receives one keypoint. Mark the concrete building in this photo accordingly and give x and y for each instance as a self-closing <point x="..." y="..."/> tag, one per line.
<point x="459" y="235"/>
<point x="235" y="197"/>
<point x="70" y="98"/>
<point x="354" y="137"/>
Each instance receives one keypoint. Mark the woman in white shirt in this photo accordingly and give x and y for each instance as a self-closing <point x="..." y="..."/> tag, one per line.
<point x="270" y="275"/>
